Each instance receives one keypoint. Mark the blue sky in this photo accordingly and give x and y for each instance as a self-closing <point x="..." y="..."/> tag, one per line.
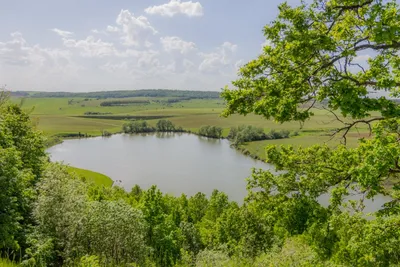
<point x="92" y="45"/>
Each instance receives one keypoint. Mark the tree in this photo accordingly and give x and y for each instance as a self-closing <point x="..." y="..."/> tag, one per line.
<point x="314" y="54"/>
<point x="21" y="164"/>
<point x="165" y="126"/>
<point x="211" y="131"/>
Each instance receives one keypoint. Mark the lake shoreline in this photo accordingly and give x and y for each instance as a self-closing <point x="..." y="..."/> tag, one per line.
<point x="59" y="140"/>
<point x="193" y="162"/>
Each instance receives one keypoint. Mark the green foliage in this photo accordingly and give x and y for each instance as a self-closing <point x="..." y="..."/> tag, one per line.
<point x="89" y="261"/>
<point x="209" y="258"/>
<point x="165" y="126"/>
<point x="247" y="133"/>
<point x="211" y="131"/>
<point x="21" y="163"/>
<point x="122" y="103"/>
<point x="314" y="53"/>
<point x="7" y="263"/>
<point x="69" y="225"/>
<point x="140" y="126"/>
<point x="294" y="252"/>
<point x="312" y="56"/>
<point x="137" y="127"/>
<point x="114" y="231"/>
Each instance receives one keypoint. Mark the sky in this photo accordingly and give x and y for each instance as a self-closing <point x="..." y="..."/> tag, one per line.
<point x="91" y="45"/>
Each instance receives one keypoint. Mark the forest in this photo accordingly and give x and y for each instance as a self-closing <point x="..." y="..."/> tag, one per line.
<point x="50" y="217"/>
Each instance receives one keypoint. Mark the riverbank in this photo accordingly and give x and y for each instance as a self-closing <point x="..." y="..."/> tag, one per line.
<point x="92" y="176"/>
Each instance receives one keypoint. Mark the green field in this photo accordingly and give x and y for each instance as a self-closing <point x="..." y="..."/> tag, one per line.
<point x="63" y="116"/>
<point x="95" y="177"/>
<point x="57" y="115"/>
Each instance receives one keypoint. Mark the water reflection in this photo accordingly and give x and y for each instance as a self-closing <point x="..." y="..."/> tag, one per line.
<point x="175" y="162"/>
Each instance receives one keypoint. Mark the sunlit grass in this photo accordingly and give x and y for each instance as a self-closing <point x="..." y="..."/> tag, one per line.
<point x="91" y="176"/>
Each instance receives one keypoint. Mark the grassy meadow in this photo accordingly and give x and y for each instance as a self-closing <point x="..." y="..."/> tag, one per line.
<point x="63" y="116"/>
<point x="91" y="176"/>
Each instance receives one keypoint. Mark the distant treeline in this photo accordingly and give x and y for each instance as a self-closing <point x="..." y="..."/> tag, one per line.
<point x="243" y="134"/>
<point x="248" y="133"/>
<point x="176" y="100"/>
<point x="89" y="113"/>
<point x="123" y="102"/>
<point x="124" y="117"/>
<point x="125" y="94"/>
<point x="237" y="135"/>
<point x="140" y="126"/>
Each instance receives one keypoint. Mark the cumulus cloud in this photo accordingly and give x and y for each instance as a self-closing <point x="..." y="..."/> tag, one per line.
<point x="118" y="67"/>
<point x="112" y="29"/>
<point x="18" y="52"/>
<point x="22" y="64"/>
<point x="174" y="7"/>
<point x="91" y="47"/>
<point x="129" y="52"/>
<point x="219" y="61"/>
<point x="135" y="31"/>
<point x="173" y="43"/>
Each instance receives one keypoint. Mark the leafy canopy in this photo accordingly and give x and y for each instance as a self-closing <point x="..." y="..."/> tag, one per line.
<point x="339" y="50"/>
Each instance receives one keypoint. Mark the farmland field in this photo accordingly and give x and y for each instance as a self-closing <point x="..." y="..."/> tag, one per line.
<point x="64" y="116"/>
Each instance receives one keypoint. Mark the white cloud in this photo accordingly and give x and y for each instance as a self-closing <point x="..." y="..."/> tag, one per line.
<point x="135" y="31"/>
<point x="112" y="29"/>
<point x="34" y="67"/>
<point x="149" y="59"/>
<point x="62" y="33"/>
<point x="91" y="47"/>
<point x="109" y="67"/>
<point x="19" y="53"/>
<point x="219" y="61"/>
<point x="128" y="55"/>
<point x="229" y="46"/>
<point x="173" y="43"/>
<point x="174" y="7"/>
<point x="189" y="65"/>
<point x="239" y="64"/>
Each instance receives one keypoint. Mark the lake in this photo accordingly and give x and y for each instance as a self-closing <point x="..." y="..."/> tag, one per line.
<point x="176" y="162"/>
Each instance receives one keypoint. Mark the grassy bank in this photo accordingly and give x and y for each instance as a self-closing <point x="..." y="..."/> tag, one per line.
<point x="91" y="176"/>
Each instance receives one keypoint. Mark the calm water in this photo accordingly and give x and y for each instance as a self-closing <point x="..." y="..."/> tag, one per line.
<point x="176" y="163"/>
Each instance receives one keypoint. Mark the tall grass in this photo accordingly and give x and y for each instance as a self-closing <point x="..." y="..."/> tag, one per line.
<point x="7" y="263"/>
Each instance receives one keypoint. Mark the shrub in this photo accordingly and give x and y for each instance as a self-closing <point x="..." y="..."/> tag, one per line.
<point x="211" y="131"/>
<point x="137" y="127"/>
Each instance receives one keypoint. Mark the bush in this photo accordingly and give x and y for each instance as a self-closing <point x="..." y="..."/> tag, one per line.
<point x="106" y="133"/>
<point x="165" y="126"/>
<point x="248" y="133"/>
<point x="211" y="131"/>
<point x="143" y="127"/>
<point x="137" y="127"/>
